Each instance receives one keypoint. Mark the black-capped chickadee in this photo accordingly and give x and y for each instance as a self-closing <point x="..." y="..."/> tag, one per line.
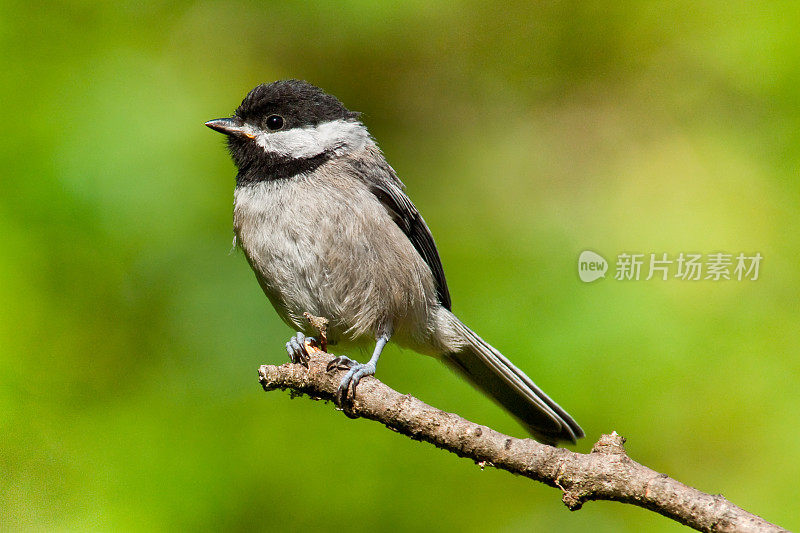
<point x="327" y="228"/>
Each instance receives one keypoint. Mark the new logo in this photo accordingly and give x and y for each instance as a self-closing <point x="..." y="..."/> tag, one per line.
<point x="591" y="266"/>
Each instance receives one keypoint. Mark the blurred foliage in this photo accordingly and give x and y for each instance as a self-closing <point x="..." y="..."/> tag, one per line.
<point x="525" y="134"/>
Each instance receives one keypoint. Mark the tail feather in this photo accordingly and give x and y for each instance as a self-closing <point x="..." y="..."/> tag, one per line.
<point x="495" y="375"/>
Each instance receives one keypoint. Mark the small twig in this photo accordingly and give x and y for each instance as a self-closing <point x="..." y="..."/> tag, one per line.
<point x="320" y="323"/>
<point x="607" y="473"/>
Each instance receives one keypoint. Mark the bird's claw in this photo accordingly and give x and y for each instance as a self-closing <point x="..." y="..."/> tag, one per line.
<point x="341" y="363"/>
<point x="351" y="379"/>
<point x="297" y="348"/>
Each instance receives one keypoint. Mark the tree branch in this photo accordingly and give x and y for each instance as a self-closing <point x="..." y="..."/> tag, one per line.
<point x="607" y="473"/>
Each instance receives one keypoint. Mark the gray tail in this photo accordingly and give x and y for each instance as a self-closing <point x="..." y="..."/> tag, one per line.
<point x="491" y="372"/>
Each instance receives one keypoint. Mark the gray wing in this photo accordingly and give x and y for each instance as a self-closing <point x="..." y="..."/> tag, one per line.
<point x="387" y="188"/>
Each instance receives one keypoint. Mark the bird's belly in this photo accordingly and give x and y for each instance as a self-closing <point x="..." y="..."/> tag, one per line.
<point x="349" y="263"/>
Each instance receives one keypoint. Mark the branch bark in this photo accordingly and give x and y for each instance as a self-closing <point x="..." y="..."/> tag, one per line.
<point x="607" y="473"/>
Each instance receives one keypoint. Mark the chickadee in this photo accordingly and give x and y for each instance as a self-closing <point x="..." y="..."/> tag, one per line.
<point x="327" y="228"/>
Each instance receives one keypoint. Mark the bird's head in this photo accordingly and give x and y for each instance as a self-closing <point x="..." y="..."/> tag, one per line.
<point x="288" y="125"/>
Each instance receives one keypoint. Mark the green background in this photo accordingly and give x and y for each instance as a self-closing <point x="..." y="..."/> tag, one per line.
<point x="525" y="135"/>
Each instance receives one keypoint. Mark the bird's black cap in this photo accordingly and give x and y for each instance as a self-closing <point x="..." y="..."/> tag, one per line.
<point x="298" y="102"/>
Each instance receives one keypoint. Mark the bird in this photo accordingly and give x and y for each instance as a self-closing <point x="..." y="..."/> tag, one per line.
<point x="328" y="229"/>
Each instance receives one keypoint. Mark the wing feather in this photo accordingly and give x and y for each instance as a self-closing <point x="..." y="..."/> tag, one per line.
<point x="387" y="187"/>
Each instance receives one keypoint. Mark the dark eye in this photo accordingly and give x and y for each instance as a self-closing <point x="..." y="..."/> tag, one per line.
<point x="274" y="122"/>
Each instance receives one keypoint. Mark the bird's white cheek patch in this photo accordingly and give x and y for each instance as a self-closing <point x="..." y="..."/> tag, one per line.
<point x="337" y="136"/>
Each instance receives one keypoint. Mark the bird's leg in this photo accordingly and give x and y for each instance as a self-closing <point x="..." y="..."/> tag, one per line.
<point x="356" y="370"/>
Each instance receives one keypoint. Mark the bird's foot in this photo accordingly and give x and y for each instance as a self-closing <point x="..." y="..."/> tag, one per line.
<point x="299" y="347"/>
<point x="341" y="362"/>
<point x="350" y="380"/>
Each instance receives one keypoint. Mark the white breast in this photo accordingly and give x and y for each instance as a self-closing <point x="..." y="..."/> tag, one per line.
<point x="323" y="244"/>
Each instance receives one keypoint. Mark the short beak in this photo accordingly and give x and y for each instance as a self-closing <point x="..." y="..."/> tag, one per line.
<point x="229" y="126"/>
